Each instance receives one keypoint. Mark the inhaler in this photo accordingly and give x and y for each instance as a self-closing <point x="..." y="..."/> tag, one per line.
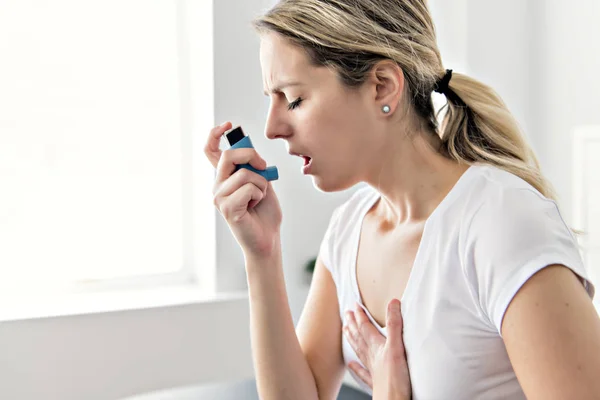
<point x="238" y="140"/>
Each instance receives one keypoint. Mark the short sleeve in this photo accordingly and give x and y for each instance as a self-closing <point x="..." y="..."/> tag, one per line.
<point x="509" y="239"/>
<point x="327" y="249"/>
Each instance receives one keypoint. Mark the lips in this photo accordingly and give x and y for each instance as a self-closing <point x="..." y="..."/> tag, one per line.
<point x="305" y="157"/>
<point x="306" y="168"/>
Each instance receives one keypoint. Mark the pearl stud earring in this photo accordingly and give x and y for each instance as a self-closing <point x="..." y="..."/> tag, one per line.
<point x="386" y="109"/>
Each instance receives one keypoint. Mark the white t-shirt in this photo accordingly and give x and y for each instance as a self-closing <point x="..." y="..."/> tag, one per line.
<point x="490" y="234"/>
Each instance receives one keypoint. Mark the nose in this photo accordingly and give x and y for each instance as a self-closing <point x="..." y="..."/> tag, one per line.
<point x="276" y="126"/>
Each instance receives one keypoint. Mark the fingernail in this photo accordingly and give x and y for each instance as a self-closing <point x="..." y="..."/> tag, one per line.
<point x="397" y="305"/>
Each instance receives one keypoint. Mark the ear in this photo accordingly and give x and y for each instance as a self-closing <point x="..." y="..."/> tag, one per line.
<point x="387" y="81"/>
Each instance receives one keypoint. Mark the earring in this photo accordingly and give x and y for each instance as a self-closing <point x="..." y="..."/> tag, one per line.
<point x="386" y="109"/>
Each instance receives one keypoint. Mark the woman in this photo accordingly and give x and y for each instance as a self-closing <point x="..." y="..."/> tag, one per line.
<point x="456" y="221"/>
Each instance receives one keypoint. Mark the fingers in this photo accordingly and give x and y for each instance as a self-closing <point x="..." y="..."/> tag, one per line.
<point x="352" y="331"/>
<point x="394" y="315"/>
<point x="356" y="339"/>
<point x="235" y="207"/>
<point x="364" y="324"/>
<point x="234" y="191"/>
<point x="237" y="180"/>
<point x="362" y="373"/>
<point x="229" y="159"/>
<point x="211" y="148"/>
<point x="395" y="325"/>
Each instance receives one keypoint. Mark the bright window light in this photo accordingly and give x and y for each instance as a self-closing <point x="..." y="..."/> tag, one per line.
<point x="94" y="142"/>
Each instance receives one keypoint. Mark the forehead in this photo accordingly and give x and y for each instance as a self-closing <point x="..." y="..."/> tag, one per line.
<point x="281" y="61"/>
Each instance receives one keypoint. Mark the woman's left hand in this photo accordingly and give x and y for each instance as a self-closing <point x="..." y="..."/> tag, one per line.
<point x="386" y="369"/>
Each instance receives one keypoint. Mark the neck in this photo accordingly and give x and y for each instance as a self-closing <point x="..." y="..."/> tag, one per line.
<point x="412" y="177"/>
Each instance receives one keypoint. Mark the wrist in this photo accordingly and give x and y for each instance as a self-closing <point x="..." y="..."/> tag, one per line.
<point x="263" y="250"/>
<point x="270" y="256"/>
<point x="390" y="394"/>
<point x="269" y="252"/>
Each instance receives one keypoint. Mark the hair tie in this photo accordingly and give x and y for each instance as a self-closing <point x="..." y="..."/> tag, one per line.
<point x="441" y="86"/>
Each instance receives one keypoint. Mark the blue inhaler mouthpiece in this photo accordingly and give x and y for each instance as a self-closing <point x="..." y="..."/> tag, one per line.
<point x="238" y="140"/>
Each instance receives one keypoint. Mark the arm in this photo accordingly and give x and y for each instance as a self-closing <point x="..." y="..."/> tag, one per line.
<point x="320" y="333"/>
<point x="552" y="334"/>
<point x="285" y="364"/>
<point x="251" y="208"/>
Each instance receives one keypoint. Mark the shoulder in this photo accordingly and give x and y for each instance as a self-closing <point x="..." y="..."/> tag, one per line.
<point x="344" y="219"/>
<point x="512" y="231"/>
<point x="502" y="203"/>
<point x="351" y="210"/>
<point x="347" y="216"/>
<point x="348" y="213"/>
<point x="512" y="225"/>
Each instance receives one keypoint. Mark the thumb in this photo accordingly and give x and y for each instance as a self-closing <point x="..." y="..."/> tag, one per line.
<point x="395" y="325"/>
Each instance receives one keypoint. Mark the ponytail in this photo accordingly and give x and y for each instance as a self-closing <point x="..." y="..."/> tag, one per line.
<point x="479" y="128"/>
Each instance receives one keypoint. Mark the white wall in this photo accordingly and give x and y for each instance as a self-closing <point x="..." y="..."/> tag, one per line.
<point x="541" y="56"/>
<point x="499" y="43"/>
<point x="568" y="85"/>
<point x="115" y="354"/>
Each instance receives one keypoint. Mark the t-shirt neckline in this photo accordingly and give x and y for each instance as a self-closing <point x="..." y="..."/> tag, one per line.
<point x="416" y="271"/>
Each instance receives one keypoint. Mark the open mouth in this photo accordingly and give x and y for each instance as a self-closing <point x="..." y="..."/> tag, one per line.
<point x="307" y="161"/>
<point x="307" y="167"/>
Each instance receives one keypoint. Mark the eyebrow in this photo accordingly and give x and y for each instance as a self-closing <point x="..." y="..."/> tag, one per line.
<point x="278" y="89"/>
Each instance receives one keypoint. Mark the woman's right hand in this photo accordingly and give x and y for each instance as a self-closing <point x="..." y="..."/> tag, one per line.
<point x="246" y="200"/>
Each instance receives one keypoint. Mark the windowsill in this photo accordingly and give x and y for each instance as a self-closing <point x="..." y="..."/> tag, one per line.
<point x="14" y="309"/>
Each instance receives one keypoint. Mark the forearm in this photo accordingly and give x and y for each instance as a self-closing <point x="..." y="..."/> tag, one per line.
<point x="282" y="371"/>
<point x="390" y="391"/>
<point x="379" y="394"/>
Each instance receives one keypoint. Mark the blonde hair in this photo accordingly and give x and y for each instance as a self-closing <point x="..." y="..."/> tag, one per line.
<point x="351" y="36"/>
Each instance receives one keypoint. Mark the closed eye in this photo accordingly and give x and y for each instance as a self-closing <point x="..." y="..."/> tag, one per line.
<point x="295" y="103"/>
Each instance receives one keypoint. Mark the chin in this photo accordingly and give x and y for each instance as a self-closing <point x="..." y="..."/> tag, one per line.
<point x="331" y="185"/>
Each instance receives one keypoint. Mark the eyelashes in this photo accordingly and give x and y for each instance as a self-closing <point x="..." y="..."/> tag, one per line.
<point x="295" y="103"/>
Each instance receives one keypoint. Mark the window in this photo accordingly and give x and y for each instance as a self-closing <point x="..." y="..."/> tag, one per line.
<point x="586" y="197"/>
<point x="104" y="109"/>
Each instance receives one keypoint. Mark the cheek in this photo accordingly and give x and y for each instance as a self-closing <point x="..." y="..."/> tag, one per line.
<point x="333" y="133"/>
<point x="327" y="114"/>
